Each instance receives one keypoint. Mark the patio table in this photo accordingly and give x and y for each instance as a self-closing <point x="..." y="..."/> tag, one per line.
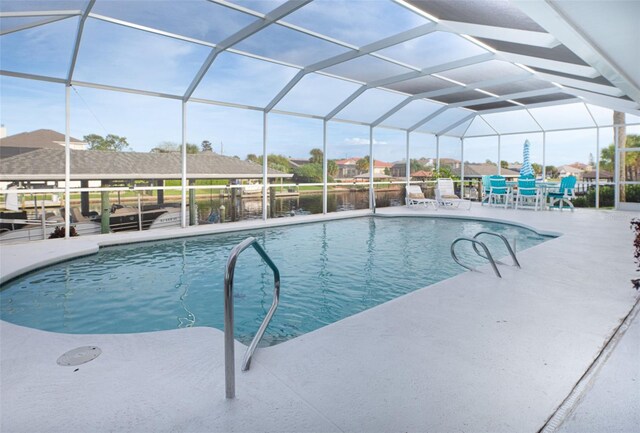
<point x="544" y="188"/>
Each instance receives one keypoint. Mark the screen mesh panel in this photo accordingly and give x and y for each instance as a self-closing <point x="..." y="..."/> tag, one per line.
<point x="367" y="68"/>
<point x="483" y="71"/>
<point x="467" y="95"/>
<point x="487" y="12"/>
<point x="421" y="85"/>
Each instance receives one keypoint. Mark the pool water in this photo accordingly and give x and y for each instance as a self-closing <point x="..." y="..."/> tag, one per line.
<point x="329" y="271"/>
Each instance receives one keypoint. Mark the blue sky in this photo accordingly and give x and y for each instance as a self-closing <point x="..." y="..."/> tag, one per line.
<point x="119" y="56"/>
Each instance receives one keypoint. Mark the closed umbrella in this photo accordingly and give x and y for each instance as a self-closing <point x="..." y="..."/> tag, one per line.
<point x="527" y="169"/>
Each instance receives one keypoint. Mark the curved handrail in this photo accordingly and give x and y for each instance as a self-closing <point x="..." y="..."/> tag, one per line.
<point x="484" y="247"/>
<point x="506" y="243"/>
<point x="229" y="352"/>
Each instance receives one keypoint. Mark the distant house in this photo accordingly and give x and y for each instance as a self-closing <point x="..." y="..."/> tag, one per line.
<point x="347" y="167"/>
<point x="297" y="162"/>
<point x="570" y="170"/>
<point x="48" y="165"/>
<point x="449" y="162"/>
<point x="590" y="176"/>
<point x="41" y="139"/>
<point x="399" y="169"/>
<point x="582" y="166"/>
<point x="379" y="167"/>
<point x="427" y="162"/>
<point x="516" y="166"/>
<point x="422" y="174"/>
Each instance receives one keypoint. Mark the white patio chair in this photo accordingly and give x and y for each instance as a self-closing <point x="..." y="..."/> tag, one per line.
<point x="446" y="196"/>
<point x="415" y="196"/>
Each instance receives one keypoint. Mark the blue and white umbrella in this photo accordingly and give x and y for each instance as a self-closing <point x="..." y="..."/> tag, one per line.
<point x="527" y="169"/>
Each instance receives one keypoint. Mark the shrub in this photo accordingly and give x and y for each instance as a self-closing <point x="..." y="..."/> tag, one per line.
<point x="59" y="232"/>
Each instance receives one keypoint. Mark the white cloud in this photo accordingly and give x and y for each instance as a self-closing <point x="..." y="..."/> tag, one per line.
<point x="361" y="141"/>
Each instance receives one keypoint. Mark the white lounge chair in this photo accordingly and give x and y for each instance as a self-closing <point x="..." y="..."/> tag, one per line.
<point x="415" y="196"/>
<point x="446" y="196"/>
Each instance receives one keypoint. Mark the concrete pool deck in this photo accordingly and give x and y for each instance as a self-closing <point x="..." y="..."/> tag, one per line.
<point x="472" y="353"/>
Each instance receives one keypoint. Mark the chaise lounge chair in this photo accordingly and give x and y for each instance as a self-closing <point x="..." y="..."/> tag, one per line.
<point x="446" y="196"/>
<point x="415" y="196"/>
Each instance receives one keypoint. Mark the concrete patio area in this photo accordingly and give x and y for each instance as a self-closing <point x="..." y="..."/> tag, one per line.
<point x="472" y="353"/>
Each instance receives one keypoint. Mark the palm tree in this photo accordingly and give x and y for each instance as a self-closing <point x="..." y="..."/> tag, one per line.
<point x="619" y="119"/>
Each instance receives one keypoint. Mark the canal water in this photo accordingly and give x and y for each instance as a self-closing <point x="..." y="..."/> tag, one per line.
<point x="304" y="204"/>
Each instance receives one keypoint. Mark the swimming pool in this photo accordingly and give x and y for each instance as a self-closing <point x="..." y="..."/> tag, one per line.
<point x="329" y="271"/>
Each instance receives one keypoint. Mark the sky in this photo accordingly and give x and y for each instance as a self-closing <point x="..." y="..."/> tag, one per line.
<point x="120" y="56"/>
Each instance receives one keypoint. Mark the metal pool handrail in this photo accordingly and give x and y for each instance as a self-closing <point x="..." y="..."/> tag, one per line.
<point x="506" y="243"/>
<point x="475" y="242"/>
<point x="229" y="352"/>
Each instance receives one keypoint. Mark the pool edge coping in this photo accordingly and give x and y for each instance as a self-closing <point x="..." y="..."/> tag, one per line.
<point x="88" y="245"/>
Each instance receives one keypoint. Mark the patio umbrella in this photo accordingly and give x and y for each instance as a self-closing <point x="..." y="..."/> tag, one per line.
<point x="526" y="169"/>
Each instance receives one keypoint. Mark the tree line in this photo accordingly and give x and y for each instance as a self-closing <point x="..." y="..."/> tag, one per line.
<point x="312" y="172"/>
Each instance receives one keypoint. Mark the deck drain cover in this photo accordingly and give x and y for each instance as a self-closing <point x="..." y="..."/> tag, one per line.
<point x="79" y="356"/>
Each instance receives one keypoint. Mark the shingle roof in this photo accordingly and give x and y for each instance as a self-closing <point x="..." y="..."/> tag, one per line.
<point x="382" y="164"/>
<point x="48" y="164"/>
<point x="29" y="141"/>
<point x="348" y="161"/>
<point x="41" y="138"/>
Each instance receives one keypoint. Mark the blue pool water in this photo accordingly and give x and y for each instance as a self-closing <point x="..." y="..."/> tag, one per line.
<point x="329" y="271"/>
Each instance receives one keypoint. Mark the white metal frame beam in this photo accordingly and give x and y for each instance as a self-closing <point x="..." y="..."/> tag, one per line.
<point x="151" y="30"/>
<point x="409" y="76"/>
<point x="34" y="24"/>
<point x="552" y="65"/>
<point x="374" y="46"/>
<point x="549" y="15"/>
<point x="451" y="91"/>
<point x="76" y="46"/>
<point x="428" y="118"/>
<point x="30" y="14"/>
<point x="616" y="104"/>
<point x="346" y="102"/>
<point x="467" y="61"/>
<point x="527" y="37"/>
<point x="281" y="11"/>
<point x="351" y="55"/>
<point x="508" y="97"/>
<point x="581" y="84"/>
<point x="539" y="105"/>
<point x="456" y="124"/>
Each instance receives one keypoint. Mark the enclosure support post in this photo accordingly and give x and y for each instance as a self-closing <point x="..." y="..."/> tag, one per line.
<point x="160" y="183"/>
<point x="67" y="163"/>
<point x="597" y="167"/>
<point x="408" y="167"/>
<point x="105" y="212"/>
<point x="499" y="155"/>
<point x="84" y="198"/>
<point x="372" y="196"/>
<point x="616" y="178"/>
<point x="264" y="166"/>
<point x="438" y="154"/>
<point x="183" y="183"/>
<point x="544" y="155"/>
<point x="461" y="167"/>
<point x="325" y="167"/>
<point x="192" y="204"/>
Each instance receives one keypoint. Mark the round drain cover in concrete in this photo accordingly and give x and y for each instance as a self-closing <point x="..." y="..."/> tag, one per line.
<point x="78" y="356"/>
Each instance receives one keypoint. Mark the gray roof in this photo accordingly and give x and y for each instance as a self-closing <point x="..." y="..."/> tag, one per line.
<point x="29" y="141"/>
<point x="48" y="164"/>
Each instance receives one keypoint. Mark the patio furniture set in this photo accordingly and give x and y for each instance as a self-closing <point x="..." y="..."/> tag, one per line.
<point x="525" y="193"/>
